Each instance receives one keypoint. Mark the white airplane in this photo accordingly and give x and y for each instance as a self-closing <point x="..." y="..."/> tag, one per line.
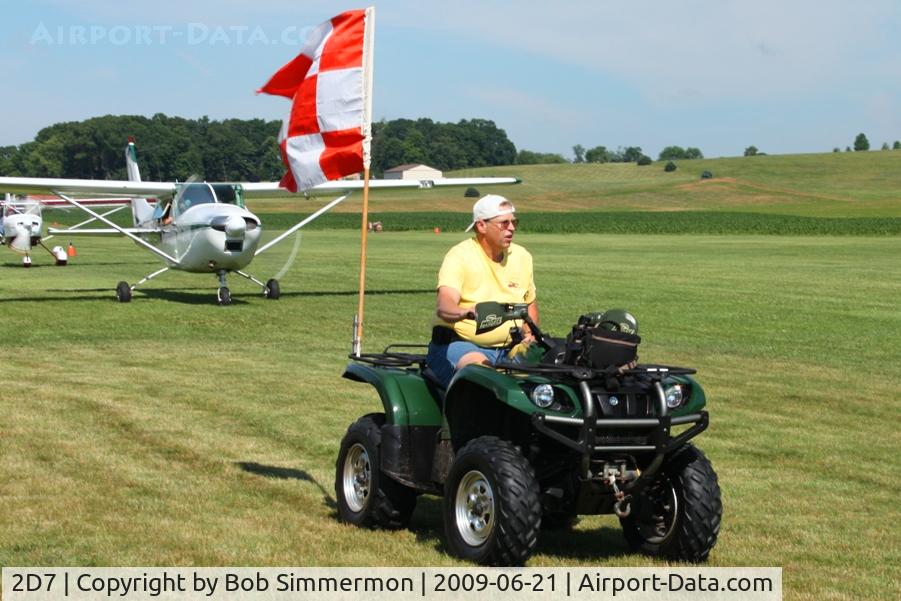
<point x="202" y="227"/>
<point x="22" y="228"/>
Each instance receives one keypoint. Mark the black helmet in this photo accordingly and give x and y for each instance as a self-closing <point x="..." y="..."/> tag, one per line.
<point x="618" y="320"/>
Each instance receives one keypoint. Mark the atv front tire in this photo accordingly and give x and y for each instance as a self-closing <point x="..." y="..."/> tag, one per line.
<point x="492" y="512"/>
<point x="366" y="496"/>
<point x="677" y="516"/>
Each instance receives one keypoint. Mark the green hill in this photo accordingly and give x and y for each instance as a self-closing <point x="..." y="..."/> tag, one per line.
<point x="813" y="194"/>
<point x="860" y="184"/>
<point x="819" y="194"/>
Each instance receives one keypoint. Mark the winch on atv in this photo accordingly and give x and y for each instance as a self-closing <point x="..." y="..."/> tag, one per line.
<point x="578" y="428"/>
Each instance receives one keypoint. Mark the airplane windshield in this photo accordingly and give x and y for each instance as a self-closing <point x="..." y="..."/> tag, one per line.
<point x="229" y="194"/>
<point x="21" y="208"/>
<point x="190" y="195"/>
<point x="194" y="194"/>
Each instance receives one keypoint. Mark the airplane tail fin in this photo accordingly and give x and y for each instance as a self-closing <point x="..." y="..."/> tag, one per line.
<point x="141" y="211"/>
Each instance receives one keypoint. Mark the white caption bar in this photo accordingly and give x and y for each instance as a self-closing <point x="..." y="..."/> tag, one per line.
<point x="391" y="584"/>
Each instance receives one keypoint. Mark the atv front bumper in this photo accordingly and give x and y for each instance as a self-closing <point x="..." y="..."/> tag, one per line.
<point x="598" y="438"/>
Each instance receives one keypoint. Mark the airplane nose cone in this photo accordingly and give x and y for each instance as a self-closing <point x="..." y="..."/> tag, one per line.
<point x="235" y="227"/>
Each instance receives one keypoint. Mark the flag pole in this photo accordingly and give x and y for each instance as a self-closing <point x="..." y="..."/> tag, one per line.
<point x="364" y="230"/>
<point x="368" y="47"/>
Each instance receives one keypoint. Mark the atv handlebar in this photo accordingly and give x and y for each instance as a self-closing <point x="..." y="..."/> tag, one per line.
<point x="492" y="314"/>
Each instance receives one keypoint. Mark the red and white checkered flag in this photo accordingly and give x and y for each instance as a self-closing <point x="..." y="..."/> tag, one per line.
<point x="328" y="132"/>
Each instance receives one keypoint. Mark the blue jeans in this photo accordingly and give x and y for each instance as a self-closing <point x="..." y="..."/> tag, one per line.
<point x="443" y="358"/>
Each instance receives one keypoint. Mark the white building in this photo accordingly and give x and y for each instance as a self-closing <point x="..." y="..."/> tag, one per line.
<point x="413" y="171"/>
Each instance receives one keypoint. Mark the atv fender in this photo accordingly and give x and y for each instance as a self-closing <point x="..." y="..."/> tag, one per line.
<point x="502" y="387"/>
<point x="410" y="434"/>
<point x="404" y="394"/>
<point x="482" y="401"/>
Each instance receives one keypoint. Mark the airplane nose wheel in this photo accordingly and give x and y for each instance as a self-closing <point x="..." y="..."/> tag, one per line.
<point x="224" y="296"/>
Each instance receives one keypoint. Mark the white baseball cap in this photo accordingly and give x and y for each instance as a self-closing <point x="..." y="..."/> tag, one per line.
<point x="489" y="207"/>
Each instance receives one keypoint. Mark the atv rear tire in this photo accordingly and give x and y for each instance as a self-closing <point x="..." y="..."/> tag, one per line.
<point x="492" y="512"/>
<point x="366" y="496"/>
<point x="677" y="516"/>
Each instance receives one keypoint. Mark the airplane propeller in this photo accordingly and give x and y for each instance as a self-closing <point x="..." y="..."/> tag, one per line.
<point x="22" y="242"/>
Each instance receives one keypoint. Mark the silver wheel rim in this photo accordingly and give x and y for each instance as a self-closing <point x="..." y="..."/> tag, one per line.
<point x="474" y="508"/>
<point x="357" y="477"/>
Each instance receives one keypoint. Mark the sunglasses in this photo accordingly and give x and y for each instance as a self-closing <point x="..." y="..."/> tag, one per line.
<point x="504" y="224"/>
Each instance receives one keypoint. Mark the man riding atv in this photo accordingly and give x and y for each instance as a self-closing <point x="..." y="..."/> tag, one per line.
<point x="515" y="442"/>
<point x="489" y="267"/>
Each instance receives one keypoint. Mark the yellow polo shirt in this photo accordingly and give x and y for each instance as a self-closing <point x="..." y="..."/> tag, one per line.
<point x="467" y="269"/>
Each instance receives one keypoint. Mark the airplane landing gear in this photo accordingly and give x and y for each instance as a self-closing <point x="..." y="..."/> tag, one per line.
<point x="271" y="290"/>
<point x="223" y="295"/>
<point x="26" y="261"/>
<point x="123" y="292"/>
<point x="60" y="256"/>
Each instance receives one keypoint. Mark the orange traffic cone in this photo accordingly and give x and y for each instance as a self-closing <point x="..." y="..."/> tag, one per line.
<point x="71" y="250"/>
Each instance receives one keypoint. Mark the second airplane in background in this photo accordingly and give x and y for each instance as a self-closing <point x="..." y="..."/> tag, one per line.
<point x="201" y="227"/>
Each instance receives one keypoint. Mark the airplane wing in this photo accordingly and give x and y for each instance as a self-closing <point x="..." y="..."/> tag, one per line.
<point x="108" y="231"/>
<point x="70" y="189"/>
<point x="79" y="187"/>
<point x="265" y="189"/>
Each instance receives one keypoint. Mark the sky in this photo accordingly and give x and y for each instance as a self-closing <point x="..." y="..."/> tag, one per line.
<point x="788" y="76"/>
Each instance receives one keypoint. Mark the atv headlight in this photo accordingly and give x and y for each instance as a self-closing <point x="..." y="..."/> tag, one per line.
<point x="675" y="395"/>
<point x="543" y="395"/>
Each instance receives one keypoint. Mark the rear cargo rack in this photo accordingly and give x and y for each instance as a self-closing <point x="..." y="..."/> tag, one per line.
<point x="393" y="358"/>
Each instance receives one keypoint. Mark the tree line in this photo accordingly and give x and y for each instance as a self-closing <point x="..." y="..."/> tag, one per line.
<point x="175" y="148"/>
<point x="632" y="154"/>
<point x="169" y="148"/>
<point x="862" y="144"/>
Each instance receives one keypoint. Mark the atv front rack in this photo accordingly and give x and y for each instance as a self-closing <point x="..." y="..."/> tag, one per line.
<point x="580" y="373"/>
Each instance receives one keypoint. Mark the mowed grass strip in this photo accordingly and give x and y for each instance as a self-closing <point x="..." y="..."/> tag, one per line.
<point x="170" y="431"/>
<point x="609" y="222"/>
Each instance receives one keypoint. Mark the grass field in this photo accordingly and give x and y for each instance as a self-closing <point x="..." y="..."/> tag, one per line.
<point x="170" y="431"/>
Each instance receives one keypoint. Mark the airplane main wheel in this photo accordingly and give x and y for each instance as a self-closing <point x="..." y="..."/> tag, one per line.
<point x="272" y="290"/>
<point x="123" y="292"/>
<point x="224" y="296"/>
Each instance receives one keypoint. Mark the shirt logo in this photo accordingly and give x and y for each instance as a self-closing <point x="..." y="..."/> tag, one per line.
<point x="513" y="285"/>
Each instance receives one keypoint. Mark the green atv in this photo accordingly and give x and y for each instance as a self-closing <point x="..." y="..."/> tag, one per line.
<point x="576" y="429"/>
